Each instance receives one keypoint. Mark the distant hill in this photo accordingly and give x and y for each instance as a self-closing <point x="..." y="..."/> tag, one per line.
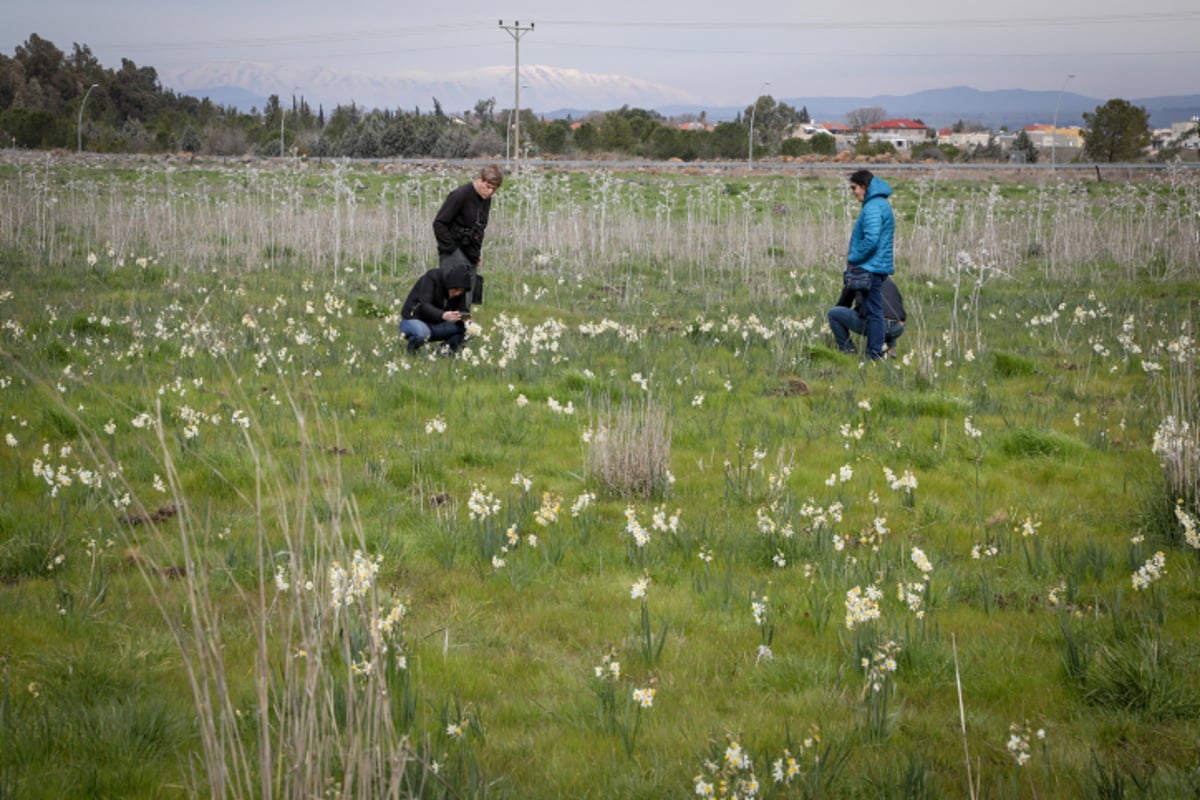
<point x="246" y="85"/>
<point x="231" y="96"/>
<point x="938" y="108"/>
<point x="456" y="92"/>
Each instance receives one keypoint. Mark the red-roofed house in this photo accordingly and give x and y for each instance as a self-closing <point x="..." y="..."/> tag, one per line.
<point x="902" y="133"/>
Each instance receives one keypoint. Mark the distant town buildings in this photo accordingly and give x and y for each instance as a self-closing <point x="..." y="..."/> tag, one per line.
<point x="902" y="134"/>
<point x="1049" y="136"/>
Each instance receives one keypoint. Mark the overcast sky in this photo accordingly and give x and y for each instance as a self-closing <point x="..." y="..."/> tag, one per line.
<point x="719" y="53"/>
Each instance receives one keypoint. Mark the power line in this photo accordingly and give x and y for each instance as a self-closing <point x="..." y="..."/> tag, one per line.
<point x="424" y="31"/>
<point x="900" y="24"/>
<point x="707" y="51"/>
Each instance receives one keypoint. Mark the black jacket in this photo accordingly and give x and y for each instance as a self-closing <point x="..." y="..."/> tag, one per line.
<point x="430" y="295"/>
<point x="461" y="222"/>
<point x="893" y="303"/>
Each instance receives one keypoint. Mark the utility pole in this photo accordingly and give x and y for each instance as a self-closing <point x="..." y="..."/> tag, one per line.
<point x="516" y="32"/>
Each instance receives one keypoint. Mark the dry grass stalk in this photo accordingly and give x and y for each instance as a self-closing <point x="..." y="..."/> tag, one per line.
<point x="630" y="452"/>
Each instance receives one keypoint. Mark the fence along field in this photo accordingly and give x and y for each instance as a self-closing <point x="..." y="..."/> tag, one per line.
<point x="650" y="536"/>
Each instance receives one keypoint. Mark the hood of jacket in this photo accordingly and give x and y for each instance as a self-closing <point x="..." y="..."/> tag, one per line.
<point x="456" y="275"/>
<point x="878" y="188"/>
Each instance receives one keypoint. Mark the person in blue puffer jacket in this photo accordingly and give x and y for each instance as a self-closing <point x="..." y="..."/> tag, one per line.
<point x="871" y="249"/>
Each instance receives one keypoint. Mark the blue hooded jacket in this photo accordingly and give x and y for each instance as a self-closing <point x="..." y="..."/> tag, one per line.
<point x="871" y="239"/>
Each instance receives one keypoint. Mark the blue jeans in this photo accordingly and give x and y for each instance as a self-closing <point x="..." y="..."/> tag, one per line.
<point x="844" y="321"/>
<point x="418" y="333"/>
<point x="876" y="325"/>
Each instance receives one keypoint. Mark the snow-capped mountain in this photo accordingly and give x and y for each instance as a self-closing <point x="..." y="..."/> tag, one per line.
<point x="245" y="84"/>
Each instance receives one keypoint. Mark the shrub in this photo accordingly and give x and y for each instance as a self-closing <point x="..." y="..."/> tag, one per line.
<point x="630" y="451"/>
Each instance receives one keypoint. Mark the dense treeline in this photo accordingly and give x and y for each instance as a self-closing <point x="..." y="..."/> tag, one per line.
<point x="50" y="99"/>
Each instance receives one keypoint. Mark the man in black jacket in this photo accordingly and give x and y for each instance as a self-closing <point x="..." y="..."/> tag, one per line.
<point x="436" y="309"/>
<point x="849" y="316"/>
<point x="462" y="221"/>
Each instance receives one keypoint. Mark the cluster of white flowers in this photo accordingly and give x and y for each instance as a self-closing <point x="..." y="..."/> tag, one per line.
<point x="922" y="561"/>
<point x="625" y="333"/>
<point x="787" y="769"/>
<point x="912" y="595"/>
<point x="862" y="606"/>
<point x="347" y="585"/>
<point x="435" y="425"/>
<point x="760" y="607"/>
<point x="1173" y="438"/>
<point x="1150" y="572"/>
<point x="880" y="665"/>
<point x="662" y="523"/>
<point x="641" y="536"/>
<point x="765" y="523"/>
<point x="1029" y="528"/>
<point x="558" y="408"/>
<point x="984" y="551"/>
<point x="747" y="329"/>
<point x="1191" y="534"/>
<point x="777" y="481"/>
<point x="644" y="697"/>
<point x="482" y="503"/>
<point x="873" y="535"/>
<point x="733" y="777"/>
<point x="582" y="503"/>
<point x="855" y="433"/>
<point x="523" y="481"/>
<point x="387" y="628"/>
<point x="609" y="668"/>
<point x="548" y="512"/>
<point x="843" y="475"/>
<point x="638" y="591"/>
<point x="822" y="518"/>
<point x="907" y="481"/>
<point x="1018" y="741"/>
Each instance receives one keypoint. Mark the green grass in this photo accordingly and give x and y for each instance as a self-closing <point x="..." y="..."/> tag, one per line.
<point x="150" y="572"/>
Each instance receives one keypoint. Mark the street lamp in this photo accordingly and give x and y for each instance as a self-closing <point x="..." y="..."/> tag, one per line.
<point x="79" y="128"/>
<point x="508" y="130"/>
<point x="283" y="116"/>
<point x="1054" y="125"/>
<point x="753" y="109"/>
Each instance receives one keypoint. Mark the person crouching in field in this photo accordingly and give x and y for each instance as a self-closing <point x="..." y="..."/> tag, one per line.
<point x="436" y="309"/>
<point x="848" y="315"/>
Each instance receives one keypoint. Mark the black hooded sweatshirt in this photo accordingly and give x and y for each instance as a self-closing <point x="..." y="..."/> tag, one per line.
<point x="461" y="222"/>
<point x="430" y="295"/>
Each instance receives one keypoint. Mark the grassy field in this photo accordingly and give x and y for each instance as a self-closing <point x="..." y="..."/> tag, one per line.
<point x="648" y="536"/>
